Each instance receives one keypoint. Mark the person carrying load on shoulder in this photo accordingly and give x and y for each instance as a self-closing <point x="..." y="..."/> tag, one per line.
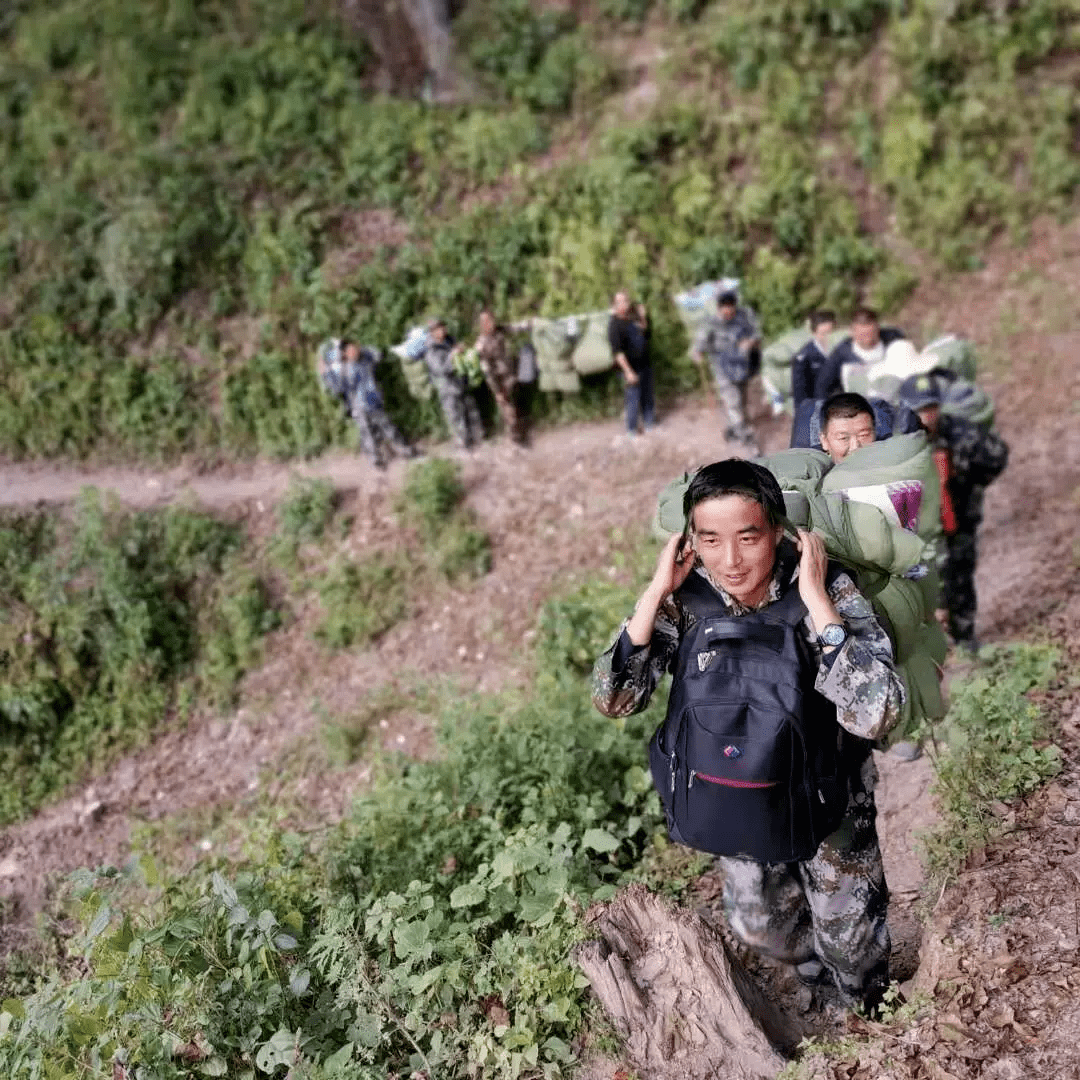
<point x="348" y="372"/>
<point x="458" y="405"/>
<point x="731" y="341"/>
<point x="782" y="680"/>
<point x="864" y="347"/>
<point x="850" y="421"/>
<point x="968" y="458"/>
<point x="499" y="362"/>
<point x="811" y="358"/>
<point x="629" y="336"/>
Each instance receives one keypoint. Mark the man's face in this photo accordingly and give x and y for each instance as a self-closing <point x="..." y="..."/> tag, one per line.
<point x="622" y="305"/>
<point x="844" y="434"/>
<point x="865" y="334"/>
<point x="487" y="322"/>
<point x="823" y="331"/>
<point x="352" y="352"/>
<point x="736" y="544"/>
<point x="438" y="332"/>
<point x="726" y="311"/>
<point x="929" y="415"/>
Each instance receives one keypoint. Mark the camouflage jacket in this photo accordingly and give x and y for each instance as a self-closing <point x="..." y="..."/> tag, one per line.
<point x="976" y="457"/>
<point x="718" y="339"/>
<point x="497" y="360"/>
<point x="858" y="678"/>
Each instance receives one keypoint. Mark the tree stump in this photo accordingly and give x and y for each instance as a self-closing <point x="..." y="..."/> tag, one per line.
<point x="684" y="1007"/>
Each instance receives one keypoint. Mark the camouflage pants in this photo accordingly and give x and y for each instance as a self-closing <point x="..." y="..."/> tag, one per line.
<point x="958" y="585"/>
<point x="733" y="397"/>
<point x="459" y="408"/>
<point x="506" y="396"/>
<point x="376" y="430"/>
<point x="827" y="910"/>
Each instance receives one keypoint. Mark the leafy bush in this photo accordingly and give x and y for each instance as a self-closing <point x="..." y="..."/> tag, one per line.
<point x="997" y="749"/>
<point x="361" y="600"/>
<point x="112" y="618"/>
<point x="432" y="491"/>
<point x="462" y="551"/>
<point x="305" y="511"/>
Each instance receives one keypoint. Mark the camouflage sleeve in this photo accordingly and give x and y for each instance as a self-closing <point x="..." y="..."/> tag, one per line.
<point x="626" y="689"/>
<point x="703" y="339"/>
<point x="860" y="679"/>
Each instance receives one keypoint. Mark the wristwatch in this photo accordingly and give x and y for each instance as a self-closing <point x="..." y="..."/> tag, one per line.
<point x="832" y="635"/>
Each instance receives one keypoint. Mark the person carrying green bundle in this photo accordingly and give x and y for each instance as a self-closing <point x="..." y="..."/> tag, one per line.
<point x="751" y="733"/>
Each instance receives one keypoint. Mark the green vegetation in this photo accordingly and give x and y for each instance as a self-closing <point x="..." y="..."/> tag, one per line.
<point x="112" y="620"/>
<point x="187" y="190"/>
<point x="431" y="932"/>
<point x="431" y="504"/>
<point x="997" y="747"/>
<point x="361" y="599"/>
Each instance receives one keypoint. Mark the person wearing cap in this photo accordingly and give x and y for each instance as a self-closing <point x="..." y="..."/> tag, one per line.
<point x="826" y="915"/>
<point x="968" y="459"/>
<point x="864" y="346"/>
<point x="731" y="341"/>
<point x="348" y="372"/>
<point x="458" y="405"/>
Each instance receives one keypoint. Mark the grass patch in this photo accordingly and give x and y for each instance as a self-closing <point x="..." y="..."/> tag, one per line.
<point x="995" y="747"/>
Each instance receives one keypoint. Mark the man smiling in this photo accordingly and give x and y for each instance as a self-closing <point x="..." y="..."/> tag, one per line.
<point x="730" y="582"/>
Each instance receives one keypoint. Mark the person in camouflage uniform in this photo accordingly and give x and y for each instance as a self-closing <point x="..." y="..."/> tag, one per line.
<point x="348" y="372"/>
<point x="973" y="458"/>
<point x="458" y="405"/>
<point x="499" y="364"/>
<point x="826" y="914"/>
<point x="731" y="340"/>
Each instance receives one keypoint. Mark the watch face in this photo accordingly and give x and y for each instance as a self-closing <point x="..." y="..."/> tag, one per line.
<point x="833" y="634"/>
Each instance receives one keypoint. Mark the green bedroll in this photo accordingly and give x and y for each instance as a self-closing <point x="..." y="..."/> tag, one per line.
<point x="888" y="562"/>
<point x="776" y="363"/>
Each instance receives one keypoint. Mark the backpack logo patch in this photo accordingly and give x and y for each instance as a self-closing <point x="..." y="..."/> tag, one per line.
<point x="732" y="752"/>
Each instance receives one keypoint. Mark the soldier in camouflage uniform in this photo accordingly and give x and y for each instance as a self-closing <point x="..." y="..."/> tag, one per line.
<point x="973" y="458"/>
<point x="499" y="364"/>
<point x="731" y="340"/>
<point x="458" y="405"/>
<point x="826" y="914"/>
<point x="348" y="372"/>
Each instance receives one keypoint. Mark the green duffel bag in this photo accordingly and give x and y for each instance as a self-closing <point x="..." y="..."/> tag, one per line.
<point x="776" y="363"/>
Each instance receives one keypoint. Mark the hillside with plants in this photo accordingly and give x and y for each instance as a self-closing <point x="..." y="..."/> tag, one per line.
<point x="299" y="775"/>
<point x="194" y="194"/>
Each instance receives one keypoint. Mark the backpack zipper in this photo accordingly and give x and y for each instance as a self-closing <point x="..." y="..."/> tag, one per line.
<point x="673" y="772"/>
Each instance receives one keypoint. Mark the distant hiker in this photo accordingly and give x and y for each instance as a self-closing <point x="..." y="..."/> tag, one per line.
<point x="757" y="628"/>
<point x="628" y="336"/>
<point x="731" y="341"/>
<point x="969" y="458"/>
<point x="865" y="346"/>
<point x="811" y="358"/>
<point x="348" y="372"/>
<point x="499" y="362"/>
<point x="458" y="405"/>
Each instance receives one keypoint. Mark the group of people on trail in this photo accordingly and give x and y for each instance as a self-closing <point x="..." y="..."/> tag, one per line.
<point x="348" y="372"/>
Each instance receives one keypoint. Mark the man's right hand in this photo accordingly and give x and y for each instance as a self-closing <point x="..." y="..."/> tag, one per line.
<point x="631" y="377"/>
<point x="672" y="569"/>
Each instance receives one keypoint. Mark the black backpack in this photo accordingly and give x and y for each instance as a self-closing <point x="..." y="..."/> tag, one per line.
<point x="750" y="759"/>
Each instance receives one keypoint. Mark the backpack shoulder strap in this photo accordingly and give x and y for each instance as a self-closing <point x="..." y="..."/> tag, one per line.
<point x="699" y="598"/>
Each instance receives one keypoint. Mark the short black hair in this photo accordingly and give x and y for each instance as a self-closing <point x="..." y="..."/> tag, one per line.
<point x="865" y="315"/>
<point x="345" y="343"/>
<point x="844" y="407"/>
<point x="728" y="299"/>
<point x="822" y="316"/>
<point x="735" y="476"/>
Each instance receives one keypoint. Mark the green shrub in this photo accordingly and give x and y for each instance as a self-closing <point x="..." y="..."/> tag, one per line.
<point x="432" y="491"/>
<point x="306" y="510"/>
<point x="462" y="551"/>
<point x="361" y="600"/>
<point x="113" y="620"/>
<point x="996" y="748"/>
